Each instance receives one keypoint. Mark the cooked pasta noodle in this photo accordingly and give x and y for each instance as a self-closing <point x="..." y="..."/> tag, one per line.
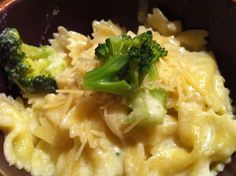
<point x="80" y="132"/>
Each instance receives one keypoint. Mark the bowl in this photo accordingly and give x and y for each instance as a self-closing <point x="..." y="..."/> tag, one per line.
<point x="36" y="20"/>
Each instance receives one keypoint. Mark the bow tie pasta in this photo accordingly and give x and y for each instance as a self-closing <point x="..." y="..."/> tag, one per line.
<point x="79" y="131"/>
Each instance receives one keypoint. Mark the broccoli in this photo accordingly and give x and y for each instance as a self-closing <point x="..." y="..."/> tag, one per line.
<point x="31" y="68"/>
<point x="148" y="106"/>
<point x="126" y="62"/>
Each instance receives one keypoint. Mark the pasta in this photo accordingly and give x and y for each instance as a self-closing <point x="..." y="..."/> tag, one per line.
<point x="80" y="132"/>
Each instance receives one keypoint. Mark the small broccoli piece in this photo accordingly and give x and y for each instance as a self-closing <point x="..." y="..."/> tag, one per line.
<point x="126" y="62"/>
<point x="148" y="106"/>
<point x="31" y="68"/>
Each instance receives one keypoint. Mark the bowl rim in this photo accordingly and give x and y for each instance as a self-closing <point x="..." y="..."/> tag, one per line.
<point x="5" y="3"/>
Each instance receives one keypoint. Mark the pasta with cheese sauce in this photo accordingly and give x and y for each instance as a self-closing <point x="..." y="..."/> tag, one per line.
<point x="80" y="132"/>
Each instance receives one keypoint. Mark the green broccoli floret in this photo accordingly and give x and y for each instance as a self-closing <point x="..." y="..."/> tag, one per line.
<point x="126" y="62"/>
<point x="31" y="68"/>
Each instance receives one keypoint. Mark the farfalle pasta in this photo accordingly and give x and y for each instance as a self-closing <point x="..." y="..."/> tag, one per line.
<point x="80" y="132"/>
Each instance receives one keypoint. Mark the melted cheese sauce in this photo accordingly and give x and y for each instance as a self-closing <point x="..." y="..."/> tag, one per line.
<point x="81" y="132"/>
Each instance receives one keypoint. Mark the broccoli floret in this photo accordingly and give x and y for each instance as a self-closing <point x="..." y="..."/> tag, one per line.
<point x="148" y="106"/>
<point x="31" y="68"/>
<point x="126" y="62"/>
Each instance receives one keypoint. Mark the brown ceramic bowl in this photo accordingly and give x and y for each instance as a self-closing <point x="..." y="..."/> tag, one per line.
<point x="36" y="21"/>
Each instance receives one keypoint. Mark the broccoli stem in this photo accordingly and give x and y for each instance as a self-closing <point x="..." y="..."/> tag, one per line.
<point x="134" y="73"/>
<point x="103" y="78"/>
<point x="152" y="73"/>
<point x="113" y="87"/>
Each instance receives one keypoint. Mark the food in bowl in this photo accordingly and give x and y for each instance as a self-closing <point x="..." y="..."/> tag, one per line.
<point x="117" y="103"/>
